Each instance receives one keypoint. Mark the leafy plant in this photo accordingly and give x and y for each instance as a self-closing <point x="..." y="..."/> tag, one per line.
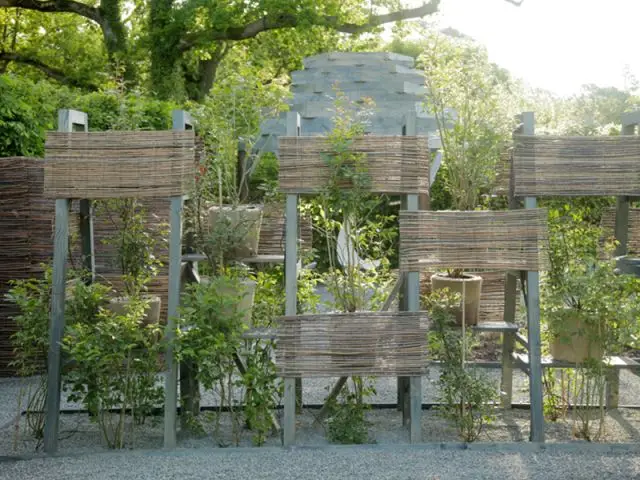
<point x="31" y="341"/>
<point x="583" y="286"/>
<point x="347" y="423"/>
<point x="466" y="393"/>
<point x="135" y="241"/>
<point x="467" y="98"/>
<point x="116" y="363"/>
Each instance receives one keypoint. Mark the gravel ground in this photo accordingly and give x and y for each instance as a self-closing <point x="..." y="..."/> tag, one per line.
<point x="406" y="463"/>
<point x="80" y="436"/>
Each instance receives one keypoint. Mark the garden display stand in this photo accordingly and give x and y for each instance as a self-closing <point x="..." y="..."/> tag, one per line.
<point x="396" y="165"/>
<point x="546" y="166"/>
<point x="108" y="172"/>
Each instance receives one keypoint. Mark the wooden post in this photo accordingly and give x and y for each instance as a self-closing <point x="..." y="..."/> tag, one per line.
<point x="188" y="371"/>
<point x="291" y="294"/>
<point x="74" y="121"/>
<point x="403" y="383"/>
<point x="241" y="172"/>
<point x="510" y="301"/>
<point x="181" y="121"/>
<point x="533" y="324"/>
<point x="68" y="121"/>
<point x="56" y="326"/>
<point x="415" y="382"/>
<point x="506" y="380"/>
<point x="171" y="379"/>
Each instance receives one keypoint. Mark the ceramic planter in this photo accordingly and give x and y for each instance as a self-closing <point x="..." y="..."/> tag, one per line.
<point x="577" y="340"/>
<point x="245" y="221"/>
<point x="472" y="290"/>
<point x="120" y="305"/>
<point x="246" y="302"/>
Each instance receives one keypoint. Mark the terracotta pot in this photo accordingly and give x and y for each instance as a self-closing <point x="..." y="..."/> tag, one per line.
<point x="245" y="221"/>
<point x="575" y="343"/>
<point x="246" y="302"/>
<point x="119" y="306"/>
<point x="472" y="290"/>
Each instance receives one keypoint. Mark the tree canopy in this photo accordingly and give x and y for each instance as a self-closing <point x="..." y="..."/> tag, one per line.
<point x="176" y="48"/>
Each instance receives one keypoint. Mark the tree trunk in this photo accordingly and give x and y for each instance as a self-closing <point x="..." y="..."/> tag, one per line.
<point x="164" y="32"/>
<point x="200" y="86"/>
<point x="115" y="37"/>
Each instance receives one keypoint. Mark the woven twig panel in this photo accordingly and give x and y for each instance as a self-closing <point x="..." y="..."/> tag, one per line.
<point x="395" y="164"/>
<point x="503" y="173"/>
<point x="576" y="166"/>
<point x="491" y="296"/>
<point x="272" y="231"/>
<point x="492" y="240"/>
<point x="352" y="344"/>
<point x="608" y="224"/>
<point x="119" y="164"/>
<point x="26" y="237"/>
<point x="106" y="225"/>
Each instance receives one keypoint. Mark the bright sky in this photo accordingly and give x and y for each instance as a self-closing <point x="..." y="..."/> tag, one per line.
<point x="558" y="45"/>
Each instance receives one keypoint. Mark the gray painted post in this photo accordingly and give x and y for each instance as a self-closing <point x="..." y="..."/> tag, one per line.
<point x="56" y="326"/>
<point x="75" y="121"/>
<point x="187" y="371"/>
<point x="171" y="379"/>
<point x="181" y="121"/>
<point x="403" y="383"/>
<point x="291" y="289"/>
<point x="415" y="382"/>
<point x="68" y="121"/>
<point x="510" y="299"/>
<point x="533" y="323"/>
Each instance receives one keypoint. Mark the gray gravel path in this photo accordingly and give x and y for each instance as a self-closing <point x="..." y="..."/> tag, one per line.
<point x="406" y="463"/>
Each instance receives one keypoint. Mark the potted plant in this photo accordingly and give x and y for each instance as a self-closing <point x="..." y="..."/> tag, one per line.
<point x="464" y="95"/>
<point x="589" y="308"/>
<point x="135" y="244"/>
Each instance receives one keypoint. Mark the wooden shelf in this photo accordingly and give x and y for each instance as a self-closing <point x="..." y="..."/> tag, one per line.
<point x="620" y="363"/>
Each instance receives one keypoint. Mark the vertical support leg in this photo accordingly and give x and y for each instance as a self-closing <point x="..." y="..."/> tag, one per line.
<point x="86" y="236"/>
<point x="506" y="382"/>
<point x="171" y="379"/>
<point x="291" y="293"/>
<point x="535" y="356"/>
<point x="612" y="377"/>
<point x="415" y="382"/>
<point x="56" y="326"/>
<point x="508" y="339"/>
<point x="412" y="293"/>
<point x="622" y="225"/>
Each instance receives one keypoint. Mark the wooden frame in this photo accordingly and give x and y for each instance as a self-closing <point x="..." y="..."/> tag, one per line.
<point x="57" y="325"/>
<point x="412" y="414"/>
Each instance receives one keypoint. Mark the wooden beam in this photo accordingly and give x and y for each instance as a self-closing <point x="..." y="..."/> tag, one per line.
<point x="292" y="386"/>
<point x="171" y="378"/>
<point x="75" y="121"/>
<point x="56" y="326"/>
<point x="533" y="324"/>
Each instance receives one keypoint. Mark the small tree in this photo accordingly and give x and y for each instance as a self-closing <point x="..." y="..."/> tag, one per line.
<point x="469" y="98"/>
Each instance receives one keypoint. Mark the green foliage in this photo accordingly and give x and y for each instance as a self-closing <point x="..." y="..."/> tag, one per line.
<point x="135" y="241"/>
<point x="575" y="283"/>
<point x="582" y="286"/>
<point x="116" y="363"/>
<point x="346" y="201"/>
<point x="31" y="341"/>
<point x="466" y="93"/>
<point x="347" y="423"/>
<point x="210" y="336"/>
<point x="465" y="392"/>
<point x="26" y="113"/>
